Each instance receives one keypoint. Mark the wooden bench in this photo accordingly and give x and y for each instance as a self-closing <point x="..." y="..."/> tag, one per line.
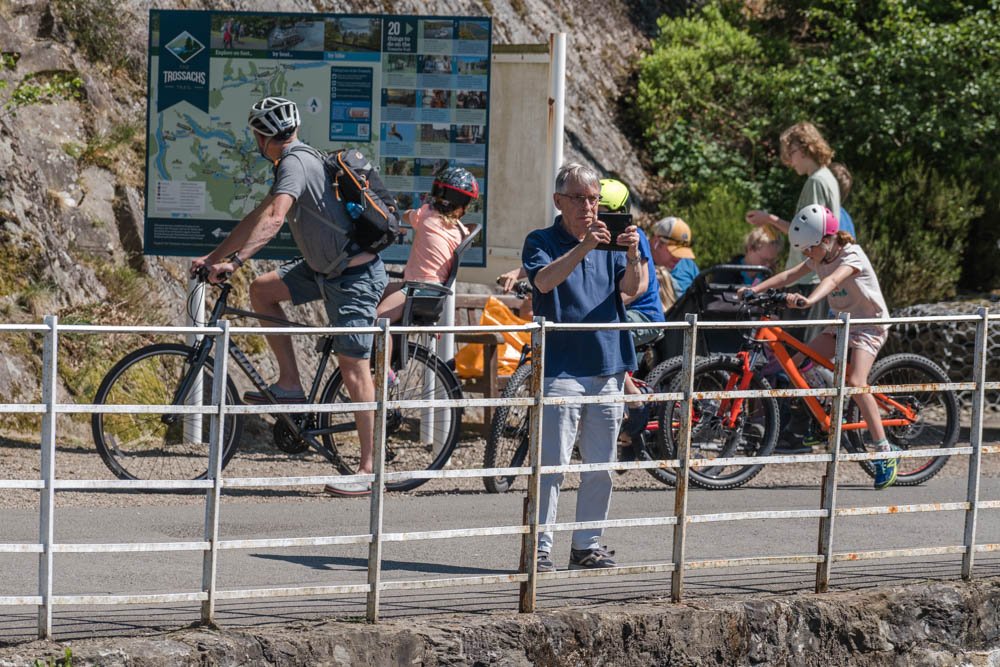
<point x="468" y="311"/>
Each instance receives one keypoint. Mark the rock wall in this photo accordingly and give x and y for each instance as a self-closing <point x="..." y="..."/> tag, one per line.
<point x="933" y="624"/>
<point x="950" y="344"/>
<point x="68" y="220"/>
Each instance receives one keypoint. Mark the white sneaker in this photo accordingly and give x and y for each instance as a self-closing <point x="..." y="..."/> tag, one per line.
<point x="348" y="489"/>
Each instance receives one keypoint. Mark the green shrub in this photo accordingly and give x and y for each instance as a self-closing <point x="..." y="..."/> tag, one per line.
<point x="889" y="83"/>
<point x="695" y="95"/>
<point x="697" y="163"/>
<point x="698" y="66"/>
<point x="717" y="224"/>
<point x="913" y="228"/>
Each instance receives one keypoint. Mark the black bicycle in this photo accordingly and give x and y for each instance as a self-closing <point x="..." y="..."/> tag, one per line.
<point x="175" y="445"/>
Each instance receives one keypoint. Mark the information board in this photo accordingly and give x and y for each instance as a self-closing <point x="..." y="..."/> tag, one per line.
<point x="411" y="92"/>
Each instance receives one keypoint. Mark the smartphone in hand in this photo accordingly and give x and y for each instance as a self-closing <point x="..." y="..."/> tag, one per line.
<point x="617" y="224"/>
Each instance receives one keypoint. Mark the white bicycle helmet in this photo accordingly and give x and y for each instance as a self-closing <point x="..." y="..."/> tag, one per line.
<point x="274" y="117"/>
<point x="810" y="225"/>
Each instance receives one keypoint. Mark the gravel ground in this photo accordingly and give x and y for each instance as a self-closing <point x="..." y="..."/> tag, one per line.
<point x="257" y="457"/>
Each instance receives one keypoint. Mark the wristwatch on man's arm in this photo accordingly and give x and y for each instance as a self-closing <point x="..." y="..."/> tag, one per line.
<point x="234" y="259"/>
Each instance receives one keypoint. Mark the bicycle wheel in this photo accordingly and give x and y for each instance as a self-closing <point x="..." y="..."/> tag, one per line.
<point x="753" y="433"/>
<point x="155" y="446"/>
<point x="416" y="438"/>
<point x="936" y="426"/>
<point x="507" y="444"/>
<point x="659" y="379"/>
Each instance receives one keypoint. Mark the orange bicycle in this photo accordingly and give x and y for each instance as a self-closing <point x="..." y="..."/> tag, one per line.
<point x="914" y="418"/>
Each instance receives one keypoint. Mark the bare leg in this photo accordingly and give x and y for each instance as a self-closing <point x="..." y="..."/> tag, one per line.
<point x="393" y="300"/>
<point x="267" y="293"/>
<point x="391" y="308"/>
<point x="825" y="345"/>
<point x="861" y="365"/>
<point x="358" y="381"/>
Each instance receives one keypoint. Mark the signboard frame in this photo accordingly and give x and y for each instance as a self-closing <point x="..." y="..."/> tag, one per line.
<point x="186" y="232"/>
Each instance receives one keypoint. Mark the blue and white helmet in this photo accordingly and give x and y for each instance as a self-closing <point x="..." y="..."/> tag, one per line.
<point x="274" y="117"/>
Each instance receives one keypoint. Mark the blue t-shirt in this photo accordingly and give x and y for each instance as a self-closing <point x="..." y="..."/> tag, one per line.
<point x="648" y="303"/>
<point x="588" y="295"/>
<point x="846" y="223"/>
<point x="683" y="275"/>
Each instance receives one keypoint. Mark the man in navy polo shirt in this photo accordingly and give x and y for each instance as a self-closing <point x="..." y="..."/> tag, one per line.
<point x="572" y="281"/>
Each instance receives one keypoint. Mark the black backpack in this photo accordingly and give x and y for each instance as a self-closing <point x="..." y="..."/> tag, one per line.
<point x="369" y="203"/>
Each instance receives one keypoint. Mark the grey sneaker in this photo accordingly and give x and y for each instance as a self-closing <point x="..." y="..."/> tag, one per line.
<point x="589" y="559"/>
<point x="543" y="563"/>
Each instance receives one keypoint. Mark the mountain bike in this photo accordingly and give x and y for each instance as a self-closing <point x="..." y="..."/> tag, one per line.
<point x="173" y="446"/>
<point x="913" y="418"/>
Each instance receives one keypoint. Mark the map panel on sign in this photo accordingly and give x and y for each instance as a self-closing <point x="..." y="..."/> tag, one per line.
<point x="410" y="92"/>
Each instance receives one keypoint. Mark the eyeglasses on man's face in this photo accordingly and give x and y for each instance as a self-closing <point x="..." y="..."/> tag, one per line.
<point x="589" y="201"/>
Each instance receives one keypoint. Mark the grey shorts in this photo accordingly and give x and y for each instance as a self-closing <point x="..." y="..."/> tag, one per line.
<point x="641" y="336"/>
<point x="350" y="299"/>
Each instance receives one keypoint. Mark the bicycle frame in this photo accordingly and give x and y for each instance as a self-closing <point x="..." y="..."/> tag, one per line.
<point x="776" y="339"/>
<point x="204" y="348"/>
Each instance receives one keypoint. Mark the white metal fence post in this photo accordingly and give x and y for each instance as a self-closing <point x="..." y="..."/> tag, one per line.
<point x="828" y="494"/>
<point x="556" y="127"/>
<point x="526" y="603"/>
<point x="195" y="318"/>
<point x="46" y="501"/>
<point x="378" y="468"/>
<point x="210" y="558"/>
<point x="684" y="456"/>
<point x="976" y="435"/>
<point x="434" y="420"/>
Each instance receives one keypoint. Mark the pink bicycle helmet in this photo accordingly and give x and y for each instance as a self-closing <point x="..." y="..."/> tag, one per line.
<point x="810" y="225"/>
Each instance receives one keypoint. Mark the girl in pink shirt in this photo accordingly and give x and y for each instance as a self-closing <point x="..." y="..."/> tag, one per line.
<point x="437" y="232"/>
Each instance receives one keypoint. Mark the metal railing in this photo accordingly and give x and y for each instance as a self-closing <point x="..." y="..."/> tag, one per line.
<point x="527" y="577"/>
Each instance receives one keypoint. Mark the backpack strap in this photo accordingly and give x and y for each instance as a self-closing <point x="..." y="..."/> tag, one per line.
<point x="306" y="148"/>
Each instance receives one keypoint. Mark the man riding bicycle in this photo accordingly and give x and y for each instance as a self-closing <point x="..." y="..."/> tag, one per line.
<point x="333" y="268"/>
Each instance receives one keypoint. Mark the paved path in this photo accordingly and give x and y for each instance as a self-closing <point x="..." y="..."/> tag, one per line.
<point x="258" y="568"/>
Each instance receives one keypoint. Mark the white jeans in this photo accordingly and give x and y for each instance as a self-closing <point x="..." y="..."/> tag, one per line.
<point x="595" y="428"/>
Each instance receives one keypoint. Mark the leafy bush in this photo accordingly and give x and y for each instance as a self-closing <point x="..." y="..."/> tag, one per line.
<point x="890" y="83"/>
<point x="921" y="259"/>
<point x="717" y="225"/>
<point x="695" y="93"/>
<point x="901" y="86"/>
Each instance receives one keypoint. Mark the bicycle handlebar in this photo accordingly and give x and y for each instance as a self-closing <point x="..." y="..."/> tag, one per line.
<point x="770" y="300"/>
<point x="202" y="272"/>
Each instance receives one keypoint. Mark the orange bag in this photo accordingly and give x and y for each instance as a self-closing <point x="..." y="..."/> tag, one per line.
<point x="469" y="360"/>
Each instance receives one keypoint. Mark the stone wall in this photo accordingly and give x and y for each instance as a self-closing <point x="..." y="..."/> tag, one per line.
<point x="950" y="345"/>
<point x="929" y="624"/>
